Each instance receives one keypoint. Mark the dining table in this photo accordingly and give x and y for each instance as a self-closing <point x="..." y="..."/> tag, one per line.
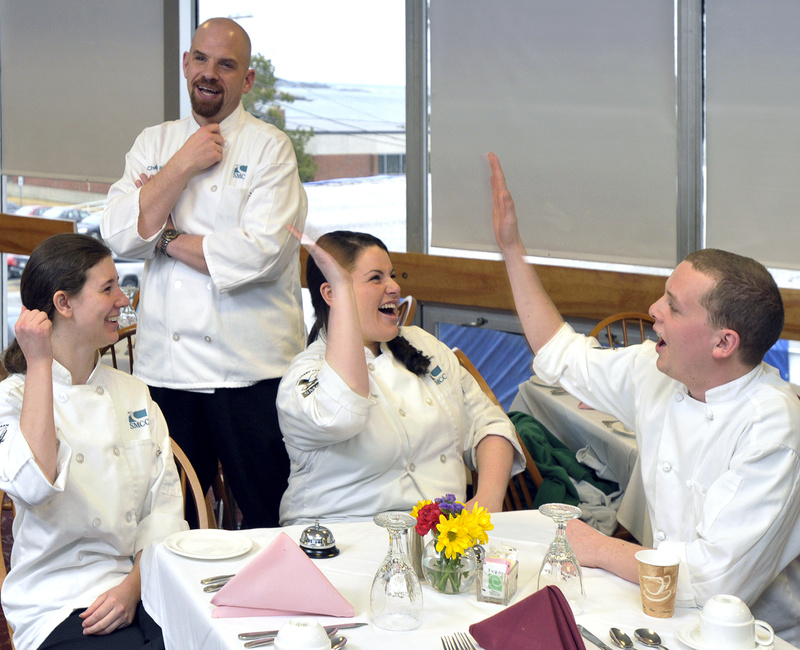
<point x="174" y="597"/>
<point x="587" y="431"/>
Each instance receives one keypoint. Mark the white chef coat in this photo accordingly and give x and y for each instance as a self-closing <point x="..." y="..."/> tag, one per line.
<point x="721" y="477"/>
<point x="116" y="490"/>
<point x="353" y="457"/>
<point x="244" y="323"/>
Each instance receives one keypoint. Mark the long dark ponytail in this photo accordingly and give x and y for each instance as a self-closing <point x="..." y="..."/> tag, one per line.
<point x="346" y="246"/>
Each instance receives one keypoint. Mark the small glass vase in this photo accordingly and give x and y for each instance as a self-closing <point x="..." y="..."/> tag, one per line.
<point x="448" y="576"/>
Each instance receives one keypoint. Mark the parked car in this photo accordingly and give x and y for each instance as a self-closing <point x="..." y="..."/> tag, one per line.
<point x="15" y="265"/>
<point x="32" y="210"/>
<point x="62" y="212"/>
<point x="90" y="225"/>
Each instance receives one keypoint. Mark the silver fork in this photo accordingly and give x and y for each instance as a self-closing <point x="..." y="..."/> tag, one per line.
<point x="459" y="641"/>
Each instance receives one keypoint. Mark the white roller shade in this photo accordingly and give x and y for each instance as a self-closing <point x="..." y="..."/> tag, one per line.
<point x="753" y="129"/>
<point x="578" y="100"/>
<point x="80" y="79"/>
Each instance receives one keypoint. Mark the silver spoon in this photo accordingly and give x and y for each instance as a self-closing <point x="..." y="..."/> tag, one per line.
<point x="620" y="638"/>
<point x="338" y="642"/>
<point x="649" y="638"/>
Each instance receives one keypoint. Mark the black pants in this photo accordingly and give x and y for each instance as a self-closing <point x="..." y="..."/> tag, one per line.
<point x="237" y="427"/>
<point x="143" y="633"/>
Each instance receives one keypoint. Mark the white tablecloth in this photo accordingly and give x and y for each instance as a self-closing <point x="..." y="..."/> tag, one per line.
<point x="578" y="428"/>
<point x="172" y="593"/>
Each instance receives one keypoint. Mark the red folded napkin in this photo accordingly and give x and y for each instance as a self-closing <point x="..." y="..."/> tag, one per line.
<point x="280" y="581"/>
<point x="542" y="621"/>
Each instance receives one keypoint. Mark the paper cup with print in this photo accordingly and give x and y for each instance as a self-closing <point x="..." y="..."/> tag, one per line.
<point x="658" y="582"/>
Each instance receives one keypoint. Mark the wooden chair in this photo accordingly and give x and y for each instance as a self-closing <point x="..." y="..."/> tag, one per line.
<point x="8" y="506"/>
<point x="518" y="496"/>
<point x="625" y="320"/>
<point x="406" y="310"/>
<point x="205" y="516"/>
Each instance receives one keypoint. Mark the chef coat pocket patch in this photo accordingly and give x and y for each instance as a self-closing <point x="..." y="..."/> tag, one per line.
<point x="308" y="382"/>
<point x="138" y="419"/>
<point x="438" y="375"/>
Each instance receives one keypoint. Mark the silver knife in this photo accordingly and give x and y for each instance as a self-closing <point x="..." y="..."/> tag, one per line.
<point x="244" y="636"/>
<point x="588" y="635"/>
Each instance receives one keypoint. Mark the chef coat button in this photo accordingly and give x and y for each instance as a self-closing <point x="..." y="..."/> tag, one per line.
<point x="666" y="467"/>
<point x="225" y="144"/>
<point x="208" y="286"/>
<point x="371" y="366"/>
<point x="213" y="188"/>
<point x="62" y="397"/>
<point x="661" y="535"/>
<point x="428" y="401"/>
<point x="678" y="397"/>
<point x="78" y="458"/>
<point x="96" y="522"/>
<point x="116" y="451"/>
<point x="207" y="339"/>
<point x="128" y="517"/>
<point x="81" y="555"/>
<point x="176" y="337"/>
<point x="689" y="485"/>
<point x="178" y="284"/>
<point x="412" y="467"/>
<point x="99" y="390"/>
<point x="443" y="458"/>
<point x="159" y="451"/>
<point x="709" y="416"/>
<point x="402" y="413"/>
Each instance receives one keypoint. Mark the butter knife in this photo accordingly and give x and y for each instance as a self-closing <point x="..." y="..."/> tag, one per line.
<point x="591" y="637"/>
<point x="244" y="636"/>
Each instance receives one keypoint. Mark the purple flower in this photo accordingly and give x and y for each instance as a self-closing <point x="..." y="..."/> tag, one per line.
<point x="448" y="505"/>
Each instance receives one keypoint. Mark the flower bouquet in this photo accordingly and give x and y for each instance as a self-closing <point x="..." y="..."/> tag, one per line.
<point x="448" y="561"/>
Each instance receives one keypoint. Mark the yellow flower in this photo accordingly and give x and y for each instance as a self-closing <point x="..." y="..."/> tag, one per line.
<point x="453" y="537"/>
<point x="419" y="506"/>
<point x="477" y="523"/>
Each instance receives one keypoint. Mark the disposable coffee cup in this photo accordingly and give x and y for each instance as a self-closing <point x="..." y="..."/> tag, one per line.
<point x="658" y="582"/>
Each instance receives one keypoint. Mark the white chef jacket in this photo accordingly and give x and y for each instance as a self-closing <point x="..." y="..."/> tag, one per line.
<point x="353" y="457"/>
<point x="244" y="323"/>
<point x="721" y="477"/>
<point x="116" y="490"/>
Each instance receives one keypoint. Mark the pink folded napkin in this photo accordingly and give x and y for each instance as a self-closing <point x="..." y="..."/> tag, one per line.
<point x="280" y="581"/>
<point x="585" y="406"/>
<point x="542" y="621"/>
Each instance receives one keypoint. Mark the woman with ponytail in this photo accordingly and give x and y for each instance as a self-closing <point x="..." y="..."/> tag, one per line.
<point x="376" y="417"/>
<point x="85" y="457"/>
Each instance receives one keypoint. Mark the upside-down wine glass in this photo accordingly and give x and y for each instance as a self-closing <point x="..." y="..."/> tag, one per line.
<point x="560" y="567"/>
<point x="396" y="596"/>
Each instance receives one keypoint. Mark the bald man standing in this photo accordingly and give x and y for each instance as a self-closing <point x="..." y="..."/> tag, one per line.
<point x="206" y="200"/>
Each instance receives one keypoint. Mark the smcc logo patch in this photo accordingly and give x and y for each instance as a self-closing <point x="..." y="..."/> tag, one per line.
<point x="438" y="375"/>
<point x="240" y="171"/>
<point x="138" y="419"/>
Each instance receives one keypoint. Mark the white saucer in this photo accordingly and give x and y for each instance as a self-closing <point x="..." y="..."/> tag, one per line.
<point x="690" y="636"/>
<point x="204" y="544"/>
<point x="621" y="428"/>
<point x="539" y="382"/>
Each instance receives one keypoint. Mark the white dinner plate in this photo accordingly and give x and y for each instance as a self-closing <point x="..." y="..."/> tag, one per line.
<point x="690" y="636"/>
<point x="204" y="544"/>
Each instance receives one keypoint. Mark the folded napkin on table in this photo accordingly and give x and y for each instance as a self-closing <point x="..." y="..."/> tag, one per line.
<point x="542" y="621"/>
<point x="281" y="580"/>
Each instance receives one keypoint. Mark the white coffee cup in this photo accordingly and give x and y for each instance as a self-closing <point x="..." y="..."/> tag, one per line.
<point x="726" y="622"/>
<point x="298" y="634"/>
